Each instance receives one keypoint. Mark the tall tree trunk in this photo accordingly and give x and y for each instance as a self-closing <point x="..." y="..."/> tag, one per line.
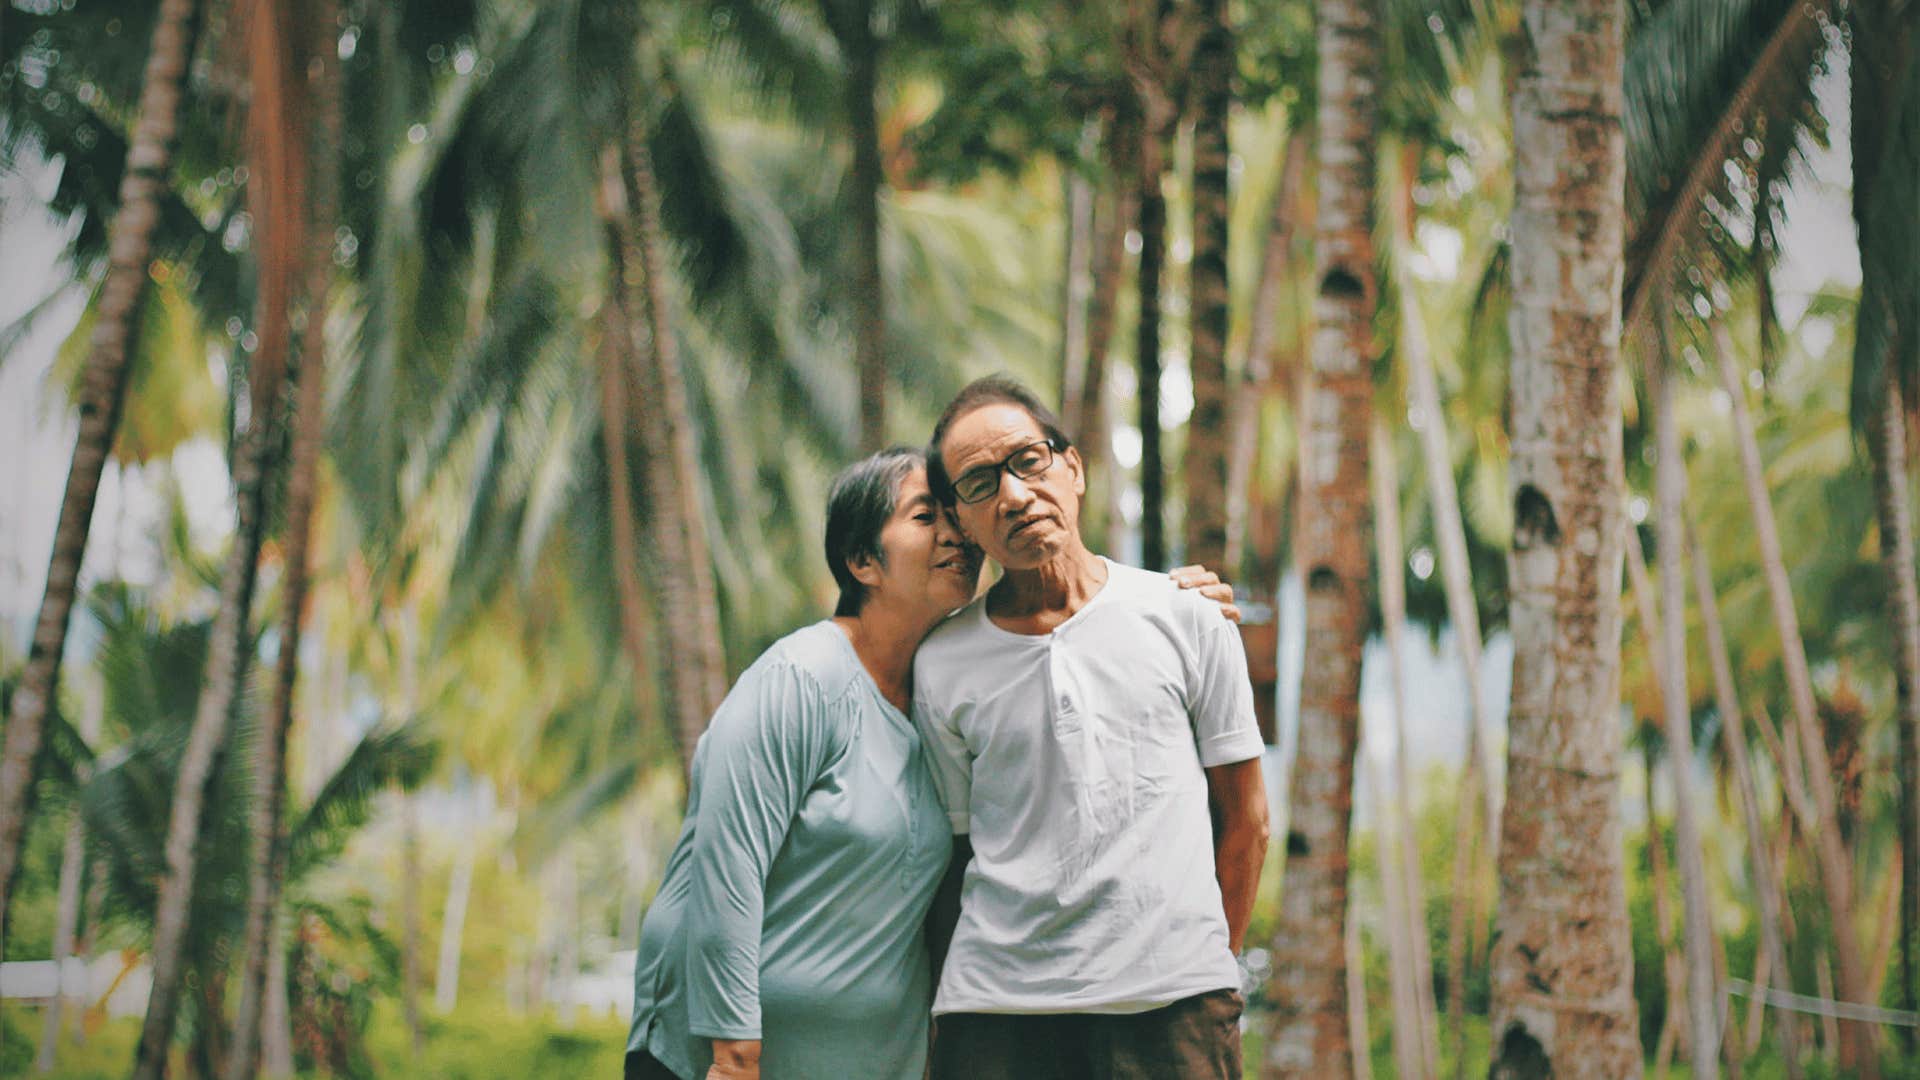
<point x="1357" y="1030"/>
<point x="1766" y="884"/>
<point x="1478" y="796"/>
<point x="619" y="432"/>
<point x="852" y="23"/>
<point x="1401" y="968"/>
<point x="130" y="243"/>
<point x="1208" y="430"/>
<point x="453" y="925"/>
<point x="1673" y="966"/>
<point x="73" y="866"/>
<point x="1414" y="1027"/>
<point x="228" y="653"/>
<point x="410" y="875"/>
<point x="1703" y="995"/>
<point x="1257" y="366"/>
<point x="1887" y="445"/>
<point x="266" y="862"/>
<point x="1076" y="276"/>
<point x="1309" y="1035"/>
<point x="1562" y="966"/>
<point x="276" y="1023"/>
<point x="1152" y="208"/>
<point x="1113" y="216"/>
<point x="684" y="588"/>
<point x="1817" y="805"/>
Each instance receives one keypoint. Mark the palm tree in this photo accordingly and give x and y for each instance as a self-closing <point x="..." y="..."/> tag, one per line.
<point x="1211" y="88"/>
<point x="279" y="172"/>
<point x="1309" y="1035"/>
<point x="1703" y="995"/>
<point x="309" y="416"/>
<point x="141" y="187"/>
<point x="851" y="23"/>
<point x="1562" y="970"/>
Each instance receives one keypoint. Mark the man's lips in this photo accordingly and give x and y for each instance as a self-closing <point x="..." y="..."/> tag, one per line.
<point x="1024" y="524"/>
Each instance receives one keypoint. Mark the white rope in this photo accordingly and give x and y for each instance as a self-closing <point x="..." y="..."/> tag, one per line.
<point x="1842" y="1010"/>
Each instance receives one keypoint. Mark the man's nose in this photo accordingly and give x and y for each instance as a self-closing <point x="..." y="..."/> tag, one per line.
<point x="1014" y="492"/>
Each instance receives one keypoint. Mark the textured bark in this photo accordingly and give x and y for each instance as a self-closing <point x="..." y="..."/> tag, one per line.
<point x="1703" y="994"/>
<point x="1888" y="446"/>
<point x="1208" y="430"/>
<point x="229" y="652"/>
<point x="1810" y="789"/>
<point x="1309" y="1037"/>
<point x="687" y="604"/>
<point x="1766" y="884"/>
<point x="266" y="863"/>
<point x="102" y="394"/>
<point x="1562" y="965"/>
<point x="1257" y="368"/>
<point x="1414" y="1031"/>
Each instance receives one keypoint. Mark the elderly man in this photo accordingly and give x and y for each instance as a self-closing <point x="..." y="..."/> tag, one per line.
<point x="1091" y="731"/>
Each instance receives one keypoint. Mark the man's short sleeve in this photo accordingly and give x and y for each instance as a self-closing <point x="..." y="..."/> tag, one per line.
<point x="950" y="762"/>
<point x="1224" y="726"/>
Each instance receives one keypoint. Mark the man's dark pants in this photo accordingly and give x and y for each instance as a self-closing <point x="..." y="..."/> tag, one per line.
<point x="1196" y="1038"/>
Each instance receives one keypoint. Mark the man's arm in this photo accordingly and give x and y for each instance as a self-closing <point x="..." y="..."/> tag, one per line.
<point x="1237" y="796"/>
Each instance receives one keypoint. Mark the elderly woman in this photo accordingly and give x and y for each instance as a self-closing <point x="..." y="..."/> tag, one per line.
<point x="786" y="938"/>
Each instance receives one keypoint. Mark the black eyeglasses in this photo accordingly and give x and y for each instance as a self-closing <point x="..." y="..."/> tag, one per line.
<point x="979" y="484"/>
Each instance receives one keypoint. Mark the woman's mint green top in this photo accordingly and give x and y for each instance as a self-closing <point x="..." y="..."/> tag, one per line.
<point x="792" y="907"/>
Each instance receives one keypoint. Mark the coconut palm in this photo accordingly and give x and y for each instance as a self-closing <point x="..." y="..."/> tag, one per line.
<point x="1210" y="86"/>
<point x="1562" y="973"/>
<point x="132" y="239"/>
<point x="1309" y="1034"/>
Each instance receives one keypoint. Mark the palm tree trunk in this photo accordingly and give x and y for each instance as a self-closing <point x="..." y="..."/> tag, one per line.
<point x="1672" y="964"/>
<point x="697" y="675"/>
<point x="1309" y="1037"/>
<point x="446" y="982"/>
<point x="1478" y="792"/>
<point x="410" y="922"/>
<point x="130" y="243"/>
<point x="267" y="830"/>
<point x="1703" y="994"/>
<point x="276" y="1023"/>
<point x="1888" y="448"/>
<point x="1766" y="885"/>
<point x="1256" y="368"/>
<point x="1414" y="1028"/>
<point x="852" y="22"/>
<point x="1208" y="431"/>
<point x="1818" y="805"/>
<point x="73" y="866"/>
<point x="1076" y="277"/>
<point x="228" y="654"/>
<point x="1152" y="207"/>
<point x="1357" y="1031"/>
<point x="1113" y="217"/>
<point x="619" y="431"/>
<point x="1562" y="966"/>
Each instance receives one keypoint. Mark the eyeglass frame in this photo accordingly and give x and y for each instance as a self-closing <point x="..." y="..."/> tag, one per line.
<point x="1051" y="445"/>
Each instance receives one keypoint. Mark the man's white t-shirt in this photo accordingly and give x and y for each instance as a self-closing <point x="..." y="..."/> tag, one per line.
<point x="1074" y="760"/>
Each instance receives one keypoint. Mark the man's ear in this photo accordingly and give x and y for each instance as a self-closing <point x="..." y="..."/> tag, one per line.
<point x="865" y="569"/>
<point x="1072" y="458"/>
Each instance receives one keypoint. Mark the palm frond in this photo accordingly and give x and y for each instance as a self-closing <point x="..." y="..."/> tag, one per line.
<point x="401" y="755"/>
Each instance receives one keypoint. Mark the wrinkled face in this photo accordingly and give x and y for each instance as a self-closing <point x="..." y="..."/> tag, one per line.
<point x="927" y="563"/>
<point x="1028" y="521"/>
